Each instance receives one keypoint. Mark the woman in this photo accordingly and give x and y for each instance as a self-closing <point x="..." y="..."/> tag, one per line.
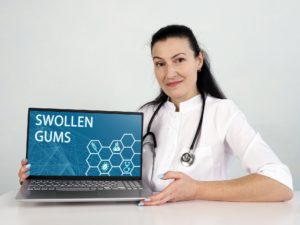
<point x="188" y="90"/>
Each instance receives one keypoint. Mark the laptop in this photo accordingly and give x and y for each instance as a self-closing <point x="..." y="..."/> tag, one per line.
<point x="83" y="155"/>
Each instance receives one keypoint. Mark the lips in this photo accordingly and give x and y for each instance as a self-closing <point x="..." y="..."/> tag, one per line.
<point x="174" y="83"/>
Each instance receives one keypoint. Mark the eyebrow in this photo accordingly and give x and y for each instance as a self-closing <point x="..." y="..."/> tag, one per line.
<point x="174" y="56"/>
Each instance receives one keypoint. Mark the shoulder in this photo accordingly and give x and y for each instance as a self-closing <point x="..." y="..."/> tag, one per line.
<point x="147" y="111"/>
<point x="222" y="106"/>
<point x="223" y="111"/>
<point x="148" y="108"/>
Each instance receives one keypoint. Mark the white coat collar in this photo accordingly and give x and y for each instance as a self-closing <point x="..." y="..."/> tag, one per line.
<point x="185" y="106"/>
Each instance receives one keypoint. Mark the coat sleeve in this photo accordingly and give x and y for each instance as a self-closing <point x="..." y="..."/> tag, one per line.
<point x="247" y="144"/>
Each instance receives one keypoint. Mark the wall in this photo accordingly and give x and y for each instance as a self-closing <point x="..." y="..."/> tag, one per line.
<point x="95" y="55"/>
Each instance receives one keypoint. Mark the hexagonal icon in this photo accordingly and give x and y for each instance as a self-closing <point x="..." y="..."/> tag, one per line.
<point x="94" y="146"/>
<point x="93" y="159"/>
<point x="136" y="160"/>
<point x="116" y="160"/>
<point x="105" y="153"/>
<point x="127" y="153"/>
<point x="115" y="171"/>
<point x="126" y="167"/>
<point x="137" y="147"/>
<point x="116" y="146"/>
<point x="127" y="140"/>
<point x="104" y="167"/>
<point x="92" y="171"/>
<point x="136" y="171"/>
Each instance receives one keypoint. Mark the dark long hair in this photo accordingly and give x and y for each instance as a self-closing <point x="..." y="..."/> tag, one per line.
<point x="206" y="83"/>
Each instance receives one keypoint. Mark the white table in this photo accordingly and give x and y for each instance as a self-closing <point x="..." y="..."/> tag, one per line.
<point x="181" y="213"/>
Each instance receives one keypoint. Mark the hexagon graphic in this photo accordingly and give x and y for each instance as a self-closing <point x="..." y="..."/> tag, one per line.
<point x="127" y="153"/>
<point x="116" y="146"/>
<point x="93" y="159"/>
<point x="136" y="160"/>
<point x="136" y="171"/>
<point x="127" y="140"/>
<point x="116" y="160"/>
<point x="94" y="146"/>
<point x="92" y="171"/>
<point x="105" y="153"/>
<point x="104" y="167"/>
<point x="126" y="167"/>
<point x="137" y="147"/>
<point x="115" y="171"/>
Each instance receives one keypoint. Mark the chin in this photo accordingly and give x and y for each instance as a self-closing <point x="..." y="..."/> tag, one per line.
<point x="175" y="94"/>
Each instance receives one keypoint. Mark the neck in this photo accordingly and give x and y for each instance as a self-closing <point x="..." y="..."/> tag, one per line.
<point x="177" y="101"/>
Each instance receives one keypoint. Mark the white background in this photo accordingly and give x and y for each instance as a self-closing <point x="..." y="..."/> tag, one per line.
<point x="95" y="55"/>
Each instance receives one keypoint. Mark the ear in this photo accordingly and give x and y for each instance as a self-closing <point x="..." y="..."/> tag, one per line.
<point x="200" y="60"/>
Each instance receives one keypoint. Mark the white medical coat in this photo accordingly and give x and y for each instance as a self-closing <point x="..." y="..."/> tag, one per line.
<point x="225" y="132"/>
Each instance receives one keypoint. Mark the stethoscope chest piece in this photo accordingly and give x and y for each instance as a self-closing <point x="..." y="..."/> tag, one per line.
<point x="187" y="159"/>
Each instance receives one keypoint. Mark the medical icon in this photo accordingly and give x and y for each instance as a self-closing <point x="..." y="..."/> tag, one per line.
<point x="116" y="148"/>
<point x="104" y="166"/>
<point x="94" y="146"/>
<point x="126" y="169"/>
<point x="126" y="166"/>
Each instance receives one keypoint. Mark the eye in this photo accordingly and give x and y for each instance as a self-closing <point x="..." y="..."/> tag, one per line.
<point x="179" y="60"/>
<point x="159" y="64"/>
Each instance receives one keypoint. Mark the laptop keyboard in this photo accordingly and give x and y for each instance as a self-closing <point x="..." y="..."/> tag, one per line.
<point x="82" y="185"/>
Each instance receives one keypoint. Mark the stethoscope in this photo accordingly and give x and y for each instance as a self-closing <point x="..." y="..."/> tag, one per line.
<point x="187" y="158"/>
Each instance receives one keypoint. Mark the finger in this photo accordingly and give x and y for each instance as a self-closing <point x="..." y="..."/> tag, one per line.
<point x="25" y="168"/>
<point x="24" y="177"/>
<point x="173" y="175"/>
<point x="164" y="199"/>
<point x="24" y="162"/>
<point x="158" y="197"/>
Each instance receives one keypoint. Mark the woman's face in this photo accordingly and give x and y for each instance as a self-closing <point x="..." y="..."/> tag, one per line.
<point x="176" y="68"/>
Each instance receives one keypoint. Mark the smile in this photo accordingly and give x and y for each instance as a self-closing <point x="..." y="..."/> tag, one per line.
<point x="173" y="84"/>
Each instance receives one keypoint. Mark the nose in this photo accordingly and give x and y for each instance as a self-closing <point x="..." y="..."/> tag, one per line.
<point x="170" y="71"/>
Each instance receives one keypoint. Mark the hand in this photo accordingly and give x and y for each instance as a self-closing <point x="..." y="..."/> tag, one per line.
<point x="24" y="171"/>
<point x="182" y="188"/>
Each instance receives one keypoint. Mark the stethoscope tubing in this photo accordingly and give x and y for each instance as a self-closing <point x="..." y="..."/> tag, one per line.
<point x="187" y="158"/>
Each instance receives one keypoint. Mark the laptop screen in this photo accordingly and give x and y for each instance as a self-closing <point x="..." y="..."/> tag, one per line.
<point x="84" y="143"/>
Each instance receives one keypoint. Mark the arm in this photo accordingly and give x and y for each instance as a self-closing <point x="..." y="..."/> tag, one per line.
<point x="250" y="188"/>
<point x="267" y="172"/>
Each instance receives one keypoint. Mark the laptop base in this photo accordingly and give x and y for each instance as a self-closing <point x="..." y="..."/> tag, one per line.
<point x="25" y="195"/>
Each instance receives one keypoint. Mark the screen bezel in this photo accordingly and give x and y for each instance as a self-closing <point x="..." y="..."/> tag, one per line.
<point x="86" y="177"/>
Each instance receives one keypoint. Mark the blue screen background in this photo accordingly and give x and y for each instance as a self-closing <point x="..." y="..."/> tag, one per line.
<point x="112" y="147"/>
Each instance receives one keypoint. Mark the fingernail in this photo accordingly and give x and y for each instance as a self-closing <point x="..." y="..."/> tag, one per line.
<point x="140" y="204"/>
<point x="147" y="199"/>
<point x="28" y="165"/>
<point x="160" y="176"/>
<point x="28" y="172"/>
